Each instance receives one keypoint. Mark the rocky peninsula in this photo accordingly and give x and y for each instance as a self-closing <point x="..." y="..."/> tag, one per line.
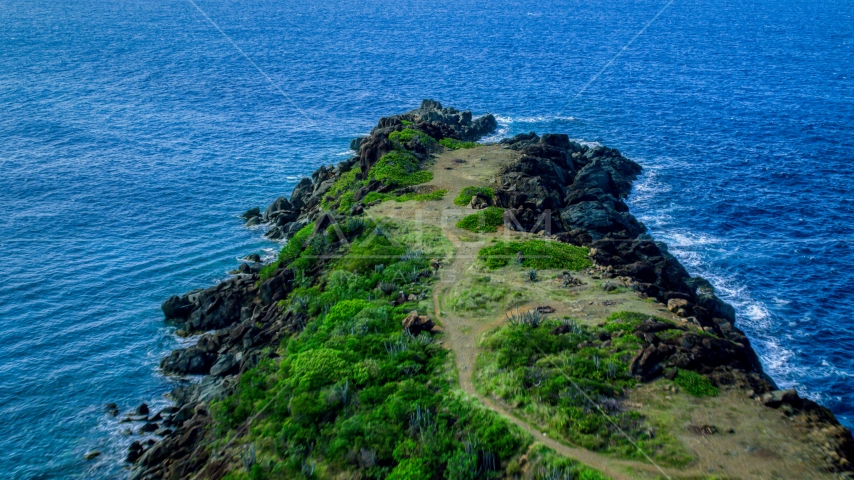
<point x="448" y="309"/>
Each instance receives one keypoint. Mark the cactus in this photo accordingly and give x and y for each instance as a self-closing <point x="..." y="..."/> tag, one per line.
<point x="532" y="275"/>
<point x="531" y="318"/>
<point x="412" y="255"/>
<point x="387" y="287"/>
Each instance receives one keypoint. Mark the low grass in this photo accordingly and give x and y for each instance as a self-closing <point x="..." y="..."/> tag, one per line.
<point x="482" y="297"/>
<point x="399" y="168"/>
<point x="537" y="254"/>
<point x="626" y="321"/>
<point x="466" y="194"/>
<point x="454" y="144"/>
<point x="551" y="379"/>
<point x="484" y="221"/>
<point x="418" y="197"/>
<point x="695" y="384"/>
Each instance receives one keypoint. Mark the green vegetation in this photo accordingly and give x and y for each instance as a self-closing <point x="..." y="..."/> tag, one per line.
<point x="466" y="194"/>
<point x="695" y="384"/>
<point x="622" y="324"/>
<point x="485" y="221"/>
<point x="343" y="191"/>
<point x="422" y="197"/>
<point x="455" y="144"/>
<point x="552" y="379"/>
<point x="626" y="321"/>
<point x="481" y="297"/>
<point x="408" y="134"/>
<point x="477" y="299"/>
<point x="352" y="395"/>
<point x="406" y="122"/>
<point x="400" y="169"/>
<point x="290" y="252"/>
<point x="536" y="254"/>
<point x="548" y="465"/>
<point x="418" y="197"/>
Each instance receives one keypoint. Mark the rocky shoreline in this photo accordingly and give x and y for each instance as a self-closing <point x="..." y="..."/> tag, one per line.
<point x="557" y="188"/>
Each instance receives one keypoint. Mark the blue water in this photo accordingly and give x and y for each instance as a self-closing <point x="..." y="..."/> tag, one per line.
<point x="133" y="133"/>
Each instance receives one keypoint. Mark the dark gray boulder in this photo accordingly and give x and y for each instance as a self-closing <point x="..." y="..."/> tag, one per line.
<point x="779" y="397"/>
<point x="355" y="143"/>
<point x="301" y="192"/>
<point x="599" y="218"/>
<point x="281" y="204"/>
<point x="520" y="141"/>
<point x="176" y="307"/>
<point x="190" y="361"/>
<point x="225" y="365"/>
<point x="251" y="213"/>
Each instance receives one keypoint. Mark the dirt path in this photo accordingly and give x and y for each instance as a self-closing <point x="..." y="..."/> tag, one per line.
<point x="461" y="336"/>
<point x="751" y="453"/>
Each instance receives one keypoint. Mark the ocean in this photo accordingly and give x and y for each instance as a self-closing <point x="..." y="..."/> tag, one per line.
<point x="134" y="133"/>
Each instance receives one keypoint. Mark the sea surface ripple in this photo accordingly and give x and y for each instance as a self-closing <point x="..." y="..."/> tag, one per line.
<point x="133" y="134"/>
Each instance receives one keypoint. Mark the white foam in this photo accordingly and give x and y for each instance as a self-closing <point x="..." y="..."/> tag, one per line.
<point x="647" y="188"/>
<point x="500" y="132"/>
<point x="586" y="143"/>
<point x="505" y="122"/>
<point x="693" y="250"/>
<point x="506" y="119"/>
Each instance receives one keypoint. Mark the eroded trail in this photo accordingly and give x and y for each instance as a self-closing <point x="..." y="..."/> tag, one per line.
<point x="461" y="335"/>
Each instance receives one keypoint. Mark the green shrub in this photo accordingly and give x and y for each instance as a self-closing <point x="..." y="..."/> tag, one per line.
<point x="406" y="122"/>
<point x="345" y="310"/>
<point x="408" y="134"/>
<point x="695" y="384"/>
<point x="290" y="252"/>
<point x="317" y="367"/>
<point x="372" y="197"/>
<point x="455" y="144"/>
<point x="418" y="197"/>
<point x="342" y="190"/>
<point x="400" y="169"/>
<point x="411" y="469"/>
<point x="484" y="221"/>
<point x="466" y="194"/>
<point x="422" y="197"/>
<point x="537" y="254"/>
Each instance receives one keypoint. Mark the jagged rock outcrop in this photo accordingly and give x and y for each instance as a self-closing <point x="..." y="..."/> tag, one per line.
<point x="286" y="216"/>
<point x="212" y="308"/>
<point x="560" y="186"/>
